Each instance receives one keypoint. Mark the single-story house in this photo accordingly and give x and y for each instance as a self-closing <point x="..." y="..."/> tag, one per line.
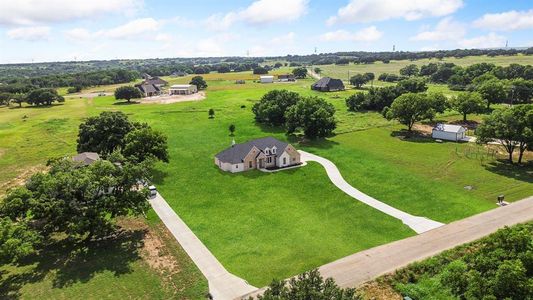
<point x="156" y="81"/>
<point x="148" y="90"/>
<point x="448" y="132"/>
<point x="262" y="153"/>
<point x="266" y="79"/>
<point x="286" y="78"/>
<point x="183" y="89"/>
<point x="86" y="158"/>
<point x="328" y="84"/>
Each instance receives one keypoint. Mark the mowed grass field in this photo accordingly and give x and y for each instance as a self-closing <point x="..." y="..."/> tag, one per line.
<point x="263" y="226"/>
<point x="342" y="71"/>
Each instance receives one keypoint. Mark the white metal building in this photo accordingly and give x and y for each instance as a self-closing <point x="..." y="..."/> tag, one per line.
<point x="448" y="132"/>
<point x="182" y="89"/>
<point x="267" y="79"/>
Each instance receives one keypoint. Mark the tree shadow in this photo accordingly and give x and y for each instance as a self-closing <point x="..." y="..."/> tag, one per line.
<point x="270" y="129"/>
<point x="523" y="172"/>
<point x="319" y="143"/>
<point x="158" y="176"/>
<point x="69" y="262"/>
<point x="36" y="106"/>
<point x="126" y="103"/>
<point x="412" y="136"/>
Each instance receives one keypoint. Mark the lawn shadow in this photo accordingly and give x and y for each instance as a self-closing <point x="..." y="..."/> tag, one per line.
<point x="270" y="129"/>
<point x="36" y="106"/>
<point x="319" y="143"/>
<point x="71" y="262"/>
<point x="126" y="103"/>
<point x="412" y="136"/>
<point x="502" y="167"/>
<point x="158" y="176"/>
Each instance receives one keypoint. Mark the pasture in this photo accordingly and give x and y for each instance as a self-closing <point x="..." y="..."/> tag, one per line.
<point x="263" y="226"/>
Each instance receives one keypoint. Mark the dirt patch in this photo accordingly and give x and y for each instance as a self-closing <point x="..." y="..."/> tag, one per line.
<point x="423" y="128"/>
<point x="21" y="178"/>
<point x="379" y="291"/>
<point x="167" y="99"/>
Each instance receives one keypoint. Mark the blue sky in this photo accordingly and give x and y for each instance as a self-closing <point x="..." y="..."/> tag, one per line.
<point x="59" y="30"/>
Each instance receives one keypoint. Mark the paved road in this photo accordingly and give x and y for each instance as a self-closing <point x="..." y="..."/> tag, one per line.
<point x="358" y="268"/>
<point x="418" y="224"/>
<point x="222" y="284"/>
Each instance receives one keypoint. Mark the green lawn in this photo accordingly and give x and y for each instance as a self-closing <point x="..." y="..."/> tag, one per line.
<point x="263" y="225"/>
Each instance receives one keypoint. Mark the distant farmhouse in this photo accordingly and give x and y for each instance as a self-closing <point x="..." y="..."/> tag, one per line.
<point x="266" y="79"/>
<point x="264" y="153"/>
<point x="286" y="78"/>
<point x="148" y="90"/>
<point x="449" y="132"/>
<point x="182" y="89"/>
<point x="327" y="84"/>
<point x="156" y="81"/>
<point x="86" y="158"/>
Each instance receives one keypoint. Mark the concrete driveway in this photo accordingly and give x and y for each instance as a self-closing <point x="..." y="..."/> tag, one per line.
<point x="418" y="224"/>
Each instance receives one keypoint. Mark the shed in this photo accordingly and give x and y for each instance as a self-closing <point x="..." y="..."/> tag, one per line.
<point x="286" y="77"/>
<point x="328" y="84"/>
<point x="448" y="132"/>
<point x="182" y="89"/>
<point x="267" y="79"/>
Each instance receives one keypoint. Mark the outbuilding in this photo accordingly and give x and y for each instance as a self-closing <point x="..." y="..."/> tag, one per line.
<point x="266" y="79"/>
<point x="449" y="132"/>
<point x="328" y="84"/>
<point x="183" y="89"/>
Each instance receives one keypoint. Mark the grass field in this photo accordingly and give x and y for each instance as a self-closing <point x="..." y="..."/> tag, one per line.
<point x="262" y="226"/>
<point x="342" y="71"/>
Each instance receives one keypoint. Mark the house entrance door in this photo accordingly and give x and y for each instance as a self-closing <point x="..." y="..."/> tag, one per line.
<point x="261" y="163"/>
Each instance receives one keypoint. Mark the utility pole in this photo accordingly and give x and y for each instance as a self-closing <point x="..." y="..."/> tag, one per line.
<point x="393" y="48"/>
<point x="315" y="50"/>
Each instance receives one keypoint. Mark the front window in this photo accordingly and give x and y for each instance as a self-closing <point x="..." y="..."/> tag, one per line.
<point x="284" y="160"/>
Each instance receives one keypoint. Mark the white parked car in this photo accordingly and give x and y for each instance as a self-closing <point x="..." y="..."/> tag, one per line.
<point x="153" y="191"/>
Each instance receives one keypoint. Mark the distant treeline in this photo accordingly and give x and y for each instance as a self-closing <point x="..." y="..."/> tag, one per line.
<point x="169" y="66"/>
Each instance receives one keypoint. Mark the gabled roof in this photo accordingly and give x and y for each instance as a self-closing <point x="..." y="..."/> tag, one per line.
<point x="86" y="158"/>
<point x="237" y="153"/>
<point x="148" y="88"/>
<point x="328" y="82"/>
<point x="155" y="80"/>
<point x="449" y="128"/>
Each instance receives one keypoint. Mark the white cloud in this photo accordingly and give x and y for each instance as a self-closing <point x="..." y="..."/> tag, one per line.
<point x="28" y="12"/>
<point x="490" y="40"/>
<point x="446" y="29"/>
<point x="379" y="10"/>
<point x="29" y="33"/>
<point x="147" y="27"/>
<point x="260" y="12"/>
<point x="368" y="34"/>
<point x="283" y="39"/>
<point x="506" y="21"/>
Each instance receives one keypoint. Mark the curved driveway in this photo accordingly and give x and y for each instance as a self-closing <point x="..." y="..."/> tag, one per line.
<point x="418" y="224"/>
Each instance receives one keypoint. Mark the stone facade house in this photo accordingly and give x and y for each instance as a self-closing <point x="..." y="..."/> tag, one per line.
<point x="264" y="153"/>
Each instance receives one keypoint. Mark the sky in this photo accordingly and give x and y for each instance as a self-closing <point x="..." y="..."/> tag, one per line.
<point x="66" y="30"/>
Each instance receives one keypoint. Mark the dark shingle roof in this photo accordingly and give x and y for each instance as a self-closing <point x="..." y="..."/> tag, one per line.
<point x="327" y="83"/>
<point x="155" y="80"/>
<point x="236" y="153"/>
<point x="148" y="88"/>
<point x="86" y="158"/>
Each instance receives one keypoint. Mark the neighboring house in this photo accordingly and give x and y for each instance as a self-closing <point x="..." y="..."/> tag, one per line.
<point x="266" y="79"/>
<point x="146" y="76"/>
<point x="448" y="132"/>
<point x="182" y="89"/>
<point x="178" y="74"/>
<point x="156" y="81"/>
<point x="148" y="90"/>
<point x="328" y="84"/>
<point x="286" y="78"/>
<point x="86" y="158"/>
<point x="264" y="153"/>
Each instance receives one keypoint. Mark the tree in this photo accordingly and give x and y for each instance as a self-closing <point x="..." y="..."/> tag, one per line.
<point x="260" y="70"/>
<point x="272" y="106"/>
<point x="511" y="281"/>
<point x="104" y="133"/>
<point x="231" y="129"/>
<point x="468" y="103"/>
<point x="44" y="96"/>
<point x="410" y="108"/>
<point x="80" y="202"/>
<point x="16" y="240"/>
<point x="317" y="70"/>
<point x="520" y="90"/>
<point x="309" y="285"/>
<point x="313" y="115"/>
<point x="300" y="72"/>
<point x="412" y="85"/>
<point x="439" y="102"/>
<point x="145" y="143"/>
<point x="511" y="127"/>
<point x="429" y="69"/>
<point x="127" y="93"/>
<point x="358" y="80"/>
<point x="356" y="101"/>
<point x="492" y="91"/>
<point x="199" y="82"/>
<point x="370" y="76"/>
<point x="409" y="70"/>
<point x="211" y="113"/>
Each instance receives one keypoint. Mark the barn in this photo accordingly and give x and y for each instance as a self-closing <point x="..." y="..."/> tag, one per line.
<point x="449" y="132"/>
<point x="328" y="84"/>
